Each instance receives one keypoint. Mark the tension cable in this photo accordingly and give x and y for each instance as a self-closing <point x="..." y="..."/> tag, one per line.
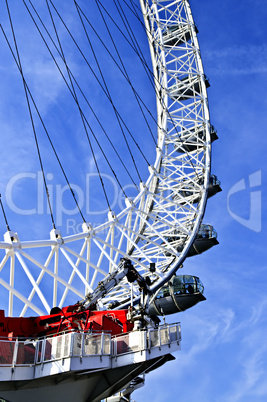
<point x="31" y="117"/>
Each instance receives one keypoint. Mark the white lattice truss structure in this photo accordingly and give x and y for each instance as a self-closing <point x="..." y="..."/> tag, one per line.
<point x="161" y="223"/>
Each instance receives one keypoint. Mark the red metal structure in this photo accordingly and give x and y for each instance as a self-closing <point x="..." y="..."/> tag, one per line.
<point x="68" y="318"/>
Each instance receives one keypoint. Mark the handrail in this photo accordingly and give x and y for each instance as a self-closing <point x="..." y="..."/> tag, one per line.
<point x="84" y="344"/>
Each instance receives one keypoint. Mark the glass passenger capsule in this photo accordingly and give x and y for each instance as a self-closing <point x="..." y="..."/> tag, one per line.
<point x="176" y="35"/>
<point x="187" y="87"/>
<point x="190" y="139"/>
<point x="181" y="293"/>
<point x="205" y="239"/>
<point x="191" y="193"/>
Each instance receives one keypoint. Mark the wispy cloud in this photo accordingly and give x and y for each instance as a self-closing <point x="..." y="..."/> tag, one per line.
<point x="241" y="60"/>
<point x="226" y="347"/>
<point x="252" y="368"/>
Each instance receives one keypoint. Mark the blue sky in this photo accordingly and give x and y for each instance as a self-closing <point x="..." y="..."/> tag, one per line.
<point x="224" y="348"/>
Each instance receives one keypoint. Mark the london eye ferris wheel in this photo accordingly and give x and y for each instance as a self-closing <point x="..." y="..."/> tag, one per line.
<point x="139" y="245"/>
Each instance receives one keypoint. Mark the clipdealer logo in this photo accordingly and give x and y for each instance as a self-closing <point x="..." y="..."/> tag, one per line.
<point x="254" y="221"/>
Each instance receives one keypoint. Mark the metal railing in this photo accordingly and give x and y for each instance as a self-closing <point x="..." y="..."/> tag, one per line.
<point x="146" y="339"/>
<point x="81" y="344"/>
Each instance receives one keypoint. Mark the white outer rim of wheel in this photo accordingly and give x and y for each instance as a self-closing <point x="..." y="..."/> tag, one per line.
<point x="152" y="217"/>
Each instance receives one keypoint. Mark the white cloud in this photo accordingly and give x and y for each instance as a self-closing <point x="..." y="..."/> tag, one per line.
<point x="238" y="60"/>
